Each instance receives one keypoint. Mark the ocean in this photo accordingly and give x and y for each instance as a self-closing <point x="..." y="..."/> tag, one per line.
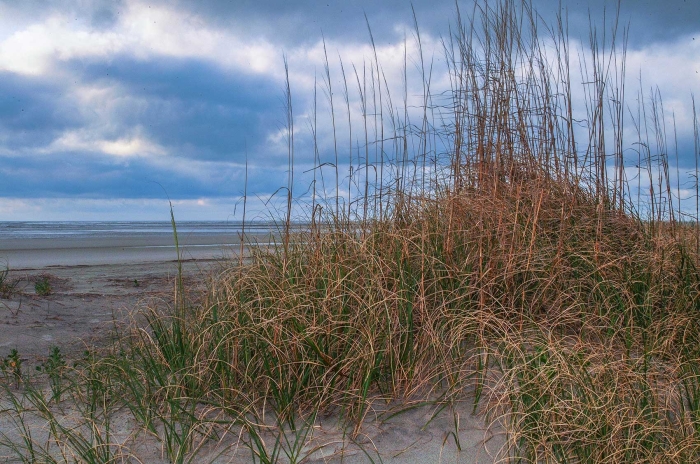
<point x="31" y="245"/>
<point x="51" y="229"/>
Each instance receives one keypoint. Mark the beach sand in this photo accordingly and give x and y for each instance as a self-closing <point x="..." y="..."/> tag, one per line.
<point x="95" y="280"/>
<point x="94" y="286"/>
<point x="84" y="302"/>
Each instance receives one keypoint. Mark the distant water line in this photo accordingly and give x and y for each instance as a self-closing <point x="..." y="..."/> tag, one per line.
<point x="34" y="245"/>
<point x="95" y="229"/>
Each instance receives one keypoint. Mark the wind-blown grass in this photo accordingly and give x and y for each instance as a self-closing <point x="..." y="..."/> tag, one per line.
<point x="504" y="263"/>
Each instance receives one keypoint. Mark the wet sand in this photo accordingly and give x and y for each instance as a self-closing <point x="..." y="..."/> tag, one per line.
<point x="40" y="253"/>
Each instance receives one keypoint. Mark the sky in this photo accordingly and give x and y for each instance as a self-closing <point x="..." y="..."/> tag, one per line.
<point x="111" y="109"/>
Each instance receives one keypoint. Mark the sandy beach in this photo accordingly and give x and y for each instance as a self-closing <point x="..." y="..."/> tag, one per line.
<point x="98" y="274"/>
<point x="97" y="283"/>
<point x="84" y="302"/>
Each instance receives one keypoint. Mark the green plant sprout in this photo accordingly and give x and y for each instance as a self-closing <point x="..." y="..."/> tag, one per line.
<point x="55" y="368"/>
<point x="42" y="287"/>
<point x="11" y="366"/>
<point x="7" y="285"/>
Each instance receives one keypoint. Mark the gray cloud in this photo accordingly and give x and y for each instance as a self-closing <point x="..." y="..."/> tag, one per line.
<point x="191" y="107"/>
<point x="33" y="111"/>
<point x="300" y="21"/>
<point x="81" y="174"/>
<point x="99" y="14"/>
<point x="303" y="21"/>
<point x="649" y="20"/>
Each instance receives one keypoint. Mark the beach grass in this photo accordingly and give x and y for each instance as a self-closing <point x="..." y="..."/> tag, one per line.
<point x="489" y="256"/>
<point x="42" y="286"/>
<point x="8" y="285"/>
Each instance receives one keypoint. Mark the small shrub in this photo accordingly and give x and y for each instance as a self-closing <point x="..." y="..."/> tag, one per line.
<point x="11" y="366"/>
<point x="7" y="285"/>
<point x="54" y="367"/>
<point x="43" y="287"/>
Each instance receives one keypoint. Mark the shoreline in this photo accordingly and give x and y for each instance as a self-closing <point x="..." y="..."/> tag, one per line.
<point x="25" y="254"/>
<point x="48" y="259"/>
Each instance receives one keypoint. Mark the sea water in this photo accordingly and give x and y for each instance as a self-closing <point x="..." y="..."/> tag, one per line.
<point x="51" y="229"/>
<point x="68" y="243"/>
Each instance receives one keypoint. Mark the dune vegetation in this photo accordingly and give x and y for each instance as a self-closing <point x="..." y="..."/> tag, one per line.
<point x="495" y="251"/>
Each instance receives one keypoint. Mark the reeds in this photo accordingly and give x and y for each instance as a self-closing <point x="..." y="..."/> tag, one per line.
<point x="497" y="255"/>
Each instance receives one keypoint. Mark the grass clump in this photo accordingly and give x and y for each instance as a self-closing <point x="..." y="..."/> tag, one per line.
<point x="55" y="368"/>
<point x="42" y="286"/>
<point x="505" y="263"/>
<point x="11" y="367"/>
<point x="7" y="284"/>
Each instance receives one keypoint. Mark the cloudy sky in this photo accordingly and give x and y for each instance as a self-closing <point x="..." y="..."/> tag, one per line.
<point x="109" y="108"/>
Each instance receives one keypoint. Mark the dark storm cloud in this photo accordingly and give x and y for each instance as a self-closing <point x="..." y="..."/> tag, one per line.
<point x="303" y="21"/>
<point x="99" y="14"/>
<point x="289" y="23"/>
<point x="650" y="20"/>
<point x="74" y="174"/>
<point x="292" y="22"/>
<point x="33" y="111"/>
<point x="190" y="107"/>
<point x="193" y="109"/>
<point x="80" y="174"/>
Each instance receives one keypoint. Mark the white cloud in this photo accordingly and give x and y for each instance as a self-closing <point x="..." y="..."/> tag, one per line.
<point x="672" y="66"/>
<point x="32" y="50"/>
<point x="81" y="140"/>
<point x="142" y="31"/>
